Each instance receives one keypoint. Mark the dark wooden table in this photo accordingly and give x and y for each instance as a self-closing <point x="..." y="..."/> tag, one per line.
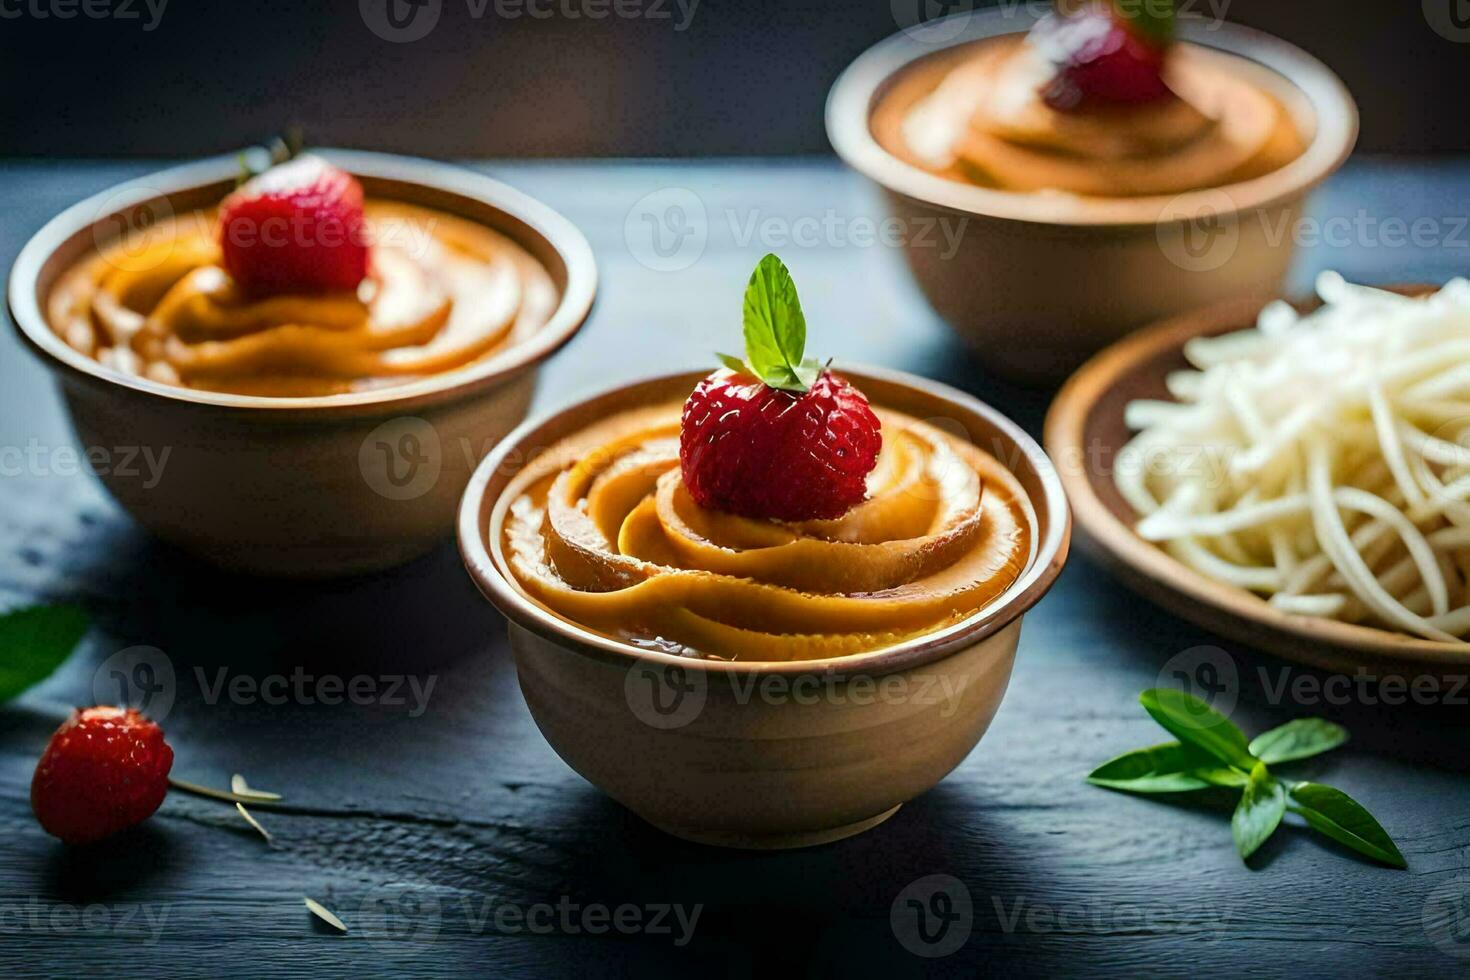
<point x="434" y="828"/>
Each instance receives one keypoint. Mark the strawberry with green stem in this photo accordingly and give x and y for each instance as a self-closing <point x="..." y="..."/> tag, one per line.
<point x="776" y="435"/>
<point x="1108" y="53"/>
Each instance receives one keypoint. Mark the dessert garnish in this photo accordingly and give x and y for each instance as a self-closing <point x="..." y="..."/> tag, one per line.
<point x="34" y="641"/>
<point x="771" y="515"/>
<point x="297" y="227"/>
<point x="1108" y="53"/>
<point x="1212" y="753"/>
<point x="1320" y="460"/>
<point x="776" y="435"/>
<point x="104" y="770"/>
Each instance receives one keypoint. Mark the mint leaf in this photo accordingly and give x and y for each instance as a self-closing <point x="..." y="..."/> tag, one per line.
<point x="1298" y="739"/>
<point x="1162" y="768"/>
<point x="1191" y="720"/>
<point x="1259" y="812"/>
<point x="1225" y="776"/>
<point x="1154" y="19"/>
<point x="734" y="363"/>
<point x="1333" y="813"/>
<point x="33" y="643"/>
<point x="808" y="371"/>
<point x="775" y="328"/>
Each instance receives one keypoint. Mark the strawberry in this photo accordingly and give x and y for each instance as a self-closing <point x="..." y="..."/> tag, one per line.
<point x="758" y="451"/>
<point x="104" y="770"/>
<point x="776" y="436"/>
<point x="1102" y="59"/>
<point x="298" y="227"/>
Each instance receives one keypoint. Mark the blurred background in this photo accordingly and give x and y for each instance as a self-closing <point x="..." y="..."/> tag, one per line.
<point x="539" y="78"/>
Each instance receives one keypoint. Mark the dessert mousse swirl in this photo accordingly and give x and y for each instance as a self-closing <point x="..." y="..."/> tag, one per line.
<point x="603" y="531"/>
<point x="988" y="122"/>
<point x="441" y="293"/>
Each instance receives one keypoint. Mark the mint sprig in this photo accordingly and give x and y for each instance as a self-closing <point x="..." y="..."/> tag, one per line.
<point x="1154" y="19"/>
<point x="33" y="643"/>
<point x="775" y="331"/>
<point x="1213" y="753"/>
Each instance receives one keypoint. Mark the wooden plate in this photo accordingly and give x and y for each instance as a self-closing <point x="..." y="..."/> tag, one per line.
<point x="1085" y="430"/>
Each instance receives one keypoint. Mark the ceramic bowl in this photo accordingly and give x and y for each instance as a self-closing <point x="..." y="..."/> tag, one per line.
<point x="1085" y="432"/>
<point x="765" y="755"/>
<point x="1036" y="282"/>
<point x="316" y="486"/>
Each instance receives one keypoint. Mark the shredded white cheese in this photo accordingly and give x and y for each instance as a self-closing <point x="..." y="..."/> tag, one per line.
<point x="1321" y="460"/>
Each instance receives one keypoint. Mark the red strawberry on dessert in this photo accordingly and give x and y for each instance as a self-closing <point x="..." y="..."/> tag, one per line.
<point x="104" y="770"/>
<point x="776" y="436"/>
<point x="298" y="227"/>
<point x="1107" y="54"/>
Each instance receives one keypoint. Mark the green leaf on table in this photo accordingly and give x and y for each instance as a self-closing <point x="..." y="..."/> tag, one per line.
<point x="33" y="643"/>
<point x="1193" y="721"/>
<point x="1298" y="739"/>
<point x="775" y="329"/>
<point x="1226" y="776"/>
<point x="1259" y="813"/>
<point x="1162" y="768"/>
<point x="1332" y="812"/>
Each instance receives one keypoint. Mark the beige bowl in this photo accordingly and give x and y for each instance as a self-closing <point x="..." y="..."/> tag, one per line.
<point x="298" y="486"/>
<point x="765" y="755"/>
<point x="1036" y="282"/>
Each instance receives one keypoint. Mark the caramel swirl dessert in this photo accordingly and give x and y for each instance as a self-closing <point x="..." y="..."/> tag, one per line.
<point x="765" y="523"/>
<point x="1090" y="104"/>
<point x="296" y="287"/>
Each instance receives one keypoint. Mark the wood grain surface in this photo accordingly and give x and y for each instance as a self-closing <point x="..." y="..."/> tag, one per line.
<point x="440" y="834"/>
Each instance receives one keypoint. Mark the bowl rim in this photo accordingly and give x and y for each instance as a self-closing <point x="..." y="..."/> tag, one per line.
<point x="1146" y="568"/>
<point x="854" y="95"/>
<point x="557" y="233"/>
<point x="476" y="512"/>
